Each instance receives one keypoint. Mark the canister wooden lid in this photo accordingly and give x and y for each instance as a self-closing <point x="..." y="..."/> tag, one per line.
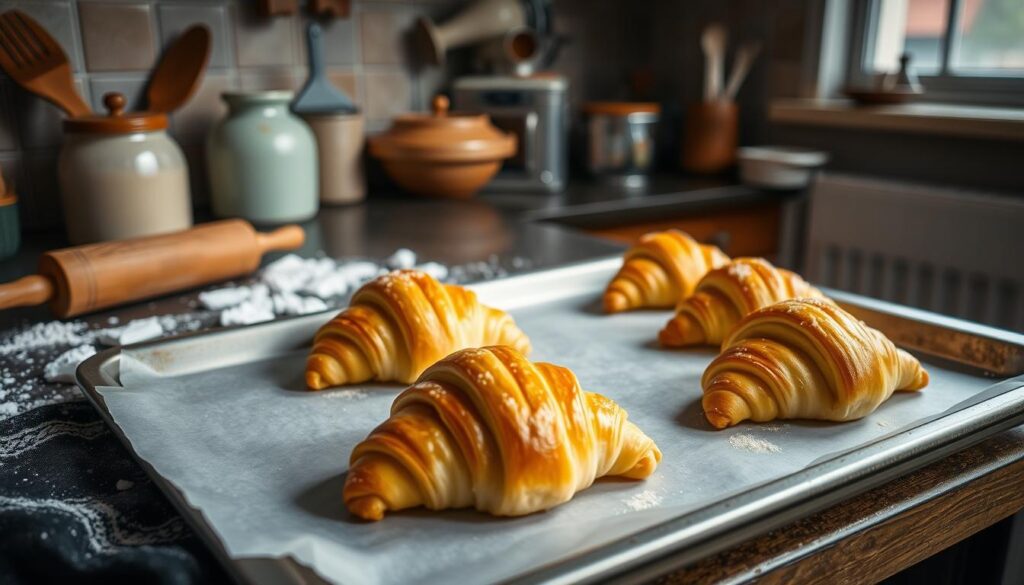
<point x="117" y="121"/>
<point x="443" y="136"/>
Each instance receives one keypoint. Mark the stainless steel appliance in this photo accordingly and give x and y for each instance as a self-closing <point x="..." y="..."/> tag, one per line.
<point x="536" y="110"/>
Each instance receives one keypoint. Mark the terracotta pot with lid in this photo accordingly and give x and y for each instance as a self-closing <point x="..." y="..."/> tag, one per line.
<point x="122" y="176"/>
<point x="443" y="154"/>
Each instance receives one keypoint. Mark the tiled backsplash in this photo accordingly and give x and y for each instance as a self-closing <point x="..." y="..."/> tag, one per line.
<point x="113" y="45"/>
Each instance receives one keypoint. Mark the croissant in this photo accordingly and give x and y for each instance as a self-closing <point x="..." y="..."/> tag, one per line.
<point x="727" y="294"/>
<point x="661" y="270"/>
<point x="398" y="324"/>
<point x="804" y="358"/>
<point x="489" y="429"/>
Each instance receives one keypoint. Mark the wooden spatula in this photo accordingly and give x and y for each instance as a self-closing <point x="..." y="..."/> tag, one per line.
<point x="36" y="62"/>
<point x="181" y="68"/>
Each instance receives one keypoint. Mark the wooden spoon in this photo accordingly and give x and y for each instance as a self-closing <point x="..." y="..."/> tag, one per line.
<point x="713" y="42"/>
<point x="740" y="67"/>
<point x="181" y="67"/>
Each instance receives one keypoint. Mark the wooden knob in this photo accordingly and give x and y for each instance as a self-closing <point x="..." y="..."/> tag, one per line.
<point x="115" y="103"/>
<point x="440" y="105"/>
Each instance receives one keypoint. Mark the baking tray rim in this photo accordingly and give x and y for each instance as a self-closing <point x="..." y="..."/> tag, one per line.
<point x="686" y="538"/>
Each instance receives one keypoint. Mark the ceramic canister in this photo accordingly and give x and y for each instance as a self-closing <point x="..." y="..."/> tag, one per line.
<point x="340" y="140"/>
<point x="262" y="160"/>
<point x="122" y="176"/>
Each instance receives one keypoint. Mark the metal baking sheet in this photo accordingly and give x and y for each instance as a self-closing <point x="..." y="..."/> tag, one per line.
<point x="222" y="422"/>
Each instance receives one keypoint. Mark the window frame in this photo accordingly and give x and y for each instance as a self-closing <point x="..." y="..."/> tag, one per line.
<point x="943" y="87"/>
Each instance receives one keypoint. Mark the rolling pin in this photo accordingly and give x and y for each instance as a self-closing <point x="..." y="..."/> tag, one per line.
<point x="87" y="278"/>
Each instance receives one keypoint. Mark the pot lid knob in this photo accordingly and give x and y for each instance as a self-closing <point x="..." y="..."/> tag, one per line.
<point x="115" y="103"/>
<point x="440" y="106"/>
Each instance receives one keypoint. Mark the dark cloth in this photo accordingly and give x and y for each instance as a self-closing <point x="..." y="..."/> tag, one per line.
<point x="75" y="507"/>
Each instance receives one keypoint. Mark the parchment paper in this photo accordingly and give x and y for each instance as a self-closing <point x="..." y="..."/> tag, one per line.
<point x="264" y="460"/>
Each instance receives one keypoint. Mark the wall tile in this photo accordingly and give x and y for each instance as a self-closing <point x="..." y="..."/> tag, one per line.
<point x="8" y="129"/>
<point x="387" y="94"/>
<point x="347" y="81"/>
<point x="43" y="210"/>
<point x="40" y="123"/>
<point x="57" y="19"/>
<point x="266" y="79"/>
<point x="132" y="86"/>
<point x="117" y="37"/>
<point x="195" y="157"/>
<point x="174" y="19"/>
<point x="261" y="41"/>
<point x="340" y="38"/>
<point x="205" y="108"/>
<point x="385" y="36"/>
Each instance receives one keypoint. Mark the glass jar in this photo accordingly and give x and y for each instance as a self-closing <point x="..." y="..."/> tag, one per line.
<point x="262" y="161"/>
<point x="121" y="176"/>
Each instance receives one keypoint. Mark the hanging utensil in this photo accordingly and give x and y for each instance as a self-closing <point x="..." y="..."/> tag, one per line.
<point x="713" y="42"/>
<point x="36" y="62"/>
<point x="741" y="66"/>
<point x="179" y="71"/>
<point x="319" y="95"/>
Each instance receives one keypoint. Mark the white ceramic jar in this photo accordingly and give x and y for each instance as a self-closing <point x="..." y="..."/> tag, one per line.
<point x="121" y="176"/>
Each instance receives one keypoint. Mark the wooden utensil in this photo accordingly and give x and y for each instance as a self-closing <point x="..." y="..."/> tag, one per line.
<point x="181" y="68"/>
<point x="713" y="42"/>
<point x="96" y="276"/>
<point x="319" y="95"/>
<point x="741" y="66"/>
<point x="37" y="63"/>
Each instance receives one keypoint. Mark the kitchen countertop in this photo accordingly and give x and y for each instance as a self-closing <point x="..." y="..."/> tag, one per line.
<point x="74" y="464"/>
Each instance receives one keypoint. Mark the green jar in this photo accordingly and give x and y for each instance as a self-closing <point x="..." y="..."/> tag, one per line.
<point x="10" y="231"/>
<point x="262" y="161"/>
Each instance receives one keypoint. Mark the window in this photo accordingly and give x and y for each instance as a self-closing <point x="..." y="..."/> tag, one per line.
<point x="962" y="50"/>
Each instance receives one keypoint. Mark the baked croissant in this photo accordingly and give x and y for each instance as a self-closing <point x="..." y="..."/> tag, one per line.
<point x="659" y="271"/>
<point x="804" y="358"/>
<point x="727" y="294"/>
<point x="398" y="324"/>
<point x="488" y="429"/>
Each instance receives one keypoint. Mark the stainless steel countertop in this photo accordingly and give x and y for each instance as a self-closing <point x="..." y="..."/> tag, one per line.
<point x="510" y="227"/>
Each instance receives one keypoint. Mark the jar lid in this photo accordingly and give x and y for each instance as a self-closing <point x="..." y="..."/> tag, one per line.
<point x="117" y="121"/>
<point x="443" y="136"/>
<point x="622" y="108"/>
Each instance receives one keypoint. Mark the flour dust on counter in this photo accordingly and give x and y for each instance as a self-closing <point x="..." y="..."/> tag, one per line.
<point x="38" y="361"/>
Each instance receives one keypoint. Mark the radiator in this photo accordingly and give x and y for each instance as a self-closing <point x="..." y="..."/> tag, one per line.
<point x="956" y="253"/>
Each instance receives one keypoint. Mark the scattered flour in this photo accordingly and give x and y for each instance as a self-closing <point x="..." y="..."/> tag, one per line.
<point x="753" y="444"/>
<point x="62" y="369"/>
<point x="351" y="394"/>
<point x="222" y="298"/>
<point x="643" y="501"/>
<point x="435" y="269"/>
<point x="134" y="332"/>
<point x="47" y="334"/>
<point x="401" y="259"/>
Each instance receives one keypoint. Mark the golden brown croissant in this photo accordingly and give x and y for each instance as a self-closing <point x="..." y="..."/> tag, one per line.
<point x="661" y="270"/>
<point x="488" y="429"/>
<point x="398" y="324"/>
<point x="727" y="294"/>
<point x="804" y="358"/>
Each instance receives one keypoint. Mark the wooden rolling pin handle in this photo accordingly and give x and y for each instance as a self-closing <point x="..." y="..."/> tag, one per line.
<point x="288" y="237"/>
<point x="26" y="291"/>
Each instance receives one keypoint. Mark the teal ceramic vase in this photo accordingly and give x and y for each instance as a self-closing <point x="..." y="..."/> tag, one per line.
<point x="262" y="161"/>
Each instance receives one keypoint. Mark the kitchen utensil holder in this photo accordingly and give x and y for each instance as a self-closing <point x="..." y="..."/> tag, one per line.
<point x="710" y="137"/>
